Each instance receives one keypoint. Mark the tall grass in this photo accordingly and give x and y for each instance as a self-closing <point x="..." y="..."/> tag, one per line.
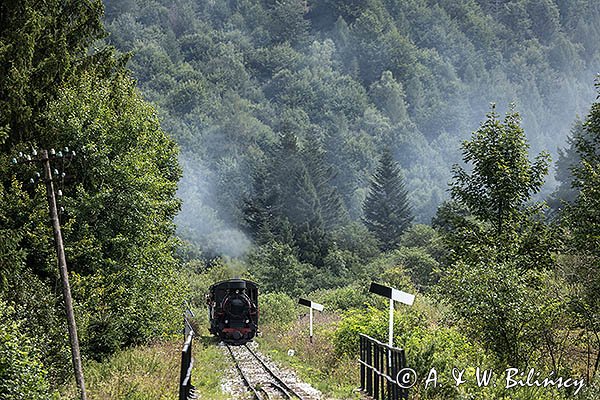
<point x="316" y="363"/>
<point x="152" y="373"/>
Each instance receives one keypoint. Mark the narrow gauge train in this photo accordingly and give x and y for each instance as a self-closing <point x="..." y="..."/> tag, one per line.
<point x="233" y="310"/>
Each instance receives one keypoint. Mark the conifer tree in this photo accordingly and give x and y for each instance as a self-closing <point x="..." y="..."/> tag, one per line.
<point x="568" y="158"/>
<point x="44" y="47"/>
<point x="386" y="210"/>
<point x="331" y="205"/>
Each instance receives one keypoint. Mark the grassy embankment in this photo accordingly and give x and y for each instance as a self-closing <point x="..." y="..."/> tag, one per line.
<point x="152" y="373"/>
<point x="315" y="363"/>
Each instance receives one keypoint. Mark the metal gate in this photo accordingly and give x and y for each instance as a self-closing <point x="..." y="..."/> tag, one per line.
<point x="379" y="367"/>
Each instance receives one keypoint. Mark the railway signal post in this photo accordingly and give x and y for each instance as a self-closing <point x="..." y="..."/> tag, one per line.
<point x="393" y="295"/>
<point x="313" y="306"/>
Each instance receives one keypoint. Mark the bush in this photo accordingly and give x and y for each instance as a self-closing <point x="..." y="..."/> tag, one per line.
<point x="374" y="322"/>
<point x="426" y="346"/>
<point x="343" y="298"/>
<point x="277" y="269"/>
<point x="277" y="309"/>
<point x="21" y="373"/>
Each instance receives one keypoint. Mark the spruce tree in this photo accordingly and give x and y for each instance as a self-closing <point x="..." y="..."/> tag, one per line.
<point x="331" y="205"/>
<point x="386" y="210"/>
<point x="44" y="46"/>
<point x="568" y="158"/>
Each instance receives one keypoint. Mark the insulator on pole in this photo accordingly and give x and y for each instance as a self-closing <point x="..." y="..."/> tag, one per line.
<point x="52" y="152"/>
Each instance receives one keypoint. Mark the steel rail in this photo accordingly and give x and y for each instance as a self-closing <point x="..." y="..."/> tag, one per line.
<point x="288" y="390"/>
<point x="244" y="378"/>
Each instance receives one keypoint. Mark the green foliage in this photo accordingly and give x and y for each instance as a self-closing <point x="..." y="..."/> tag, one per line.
<point x="568" y="158"/>
<point x="498" y="244"/>
<point x="502" y="306"/>
<point x="389" y="97"/>
<point x="502" y="179"/>
<point x="492" y="204"/>
<point x="424" y="237"/>
<point x="277" y="269"/>
<point x="119" y="232"/>
<point x="348" y="79"/>
<point x="386" y="208"/>
<point x="42" y="47"/>
<point x="355" y="237"/>
<point x="420" y="265"/>
<point x="299" y="211"/>
<point x="119" y="191"/>
<point x="21" y="371"/>
<point x="278" y="309"/>
<point x="431" y="345"/>
<point x="343" y="298"/>
<point x="582" y="222"/>
<point x="426" y="346"/>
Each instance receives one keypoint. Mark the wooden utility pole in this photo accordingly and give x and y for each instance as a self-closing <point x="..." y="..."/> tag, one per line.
<point x="64" y="275"/>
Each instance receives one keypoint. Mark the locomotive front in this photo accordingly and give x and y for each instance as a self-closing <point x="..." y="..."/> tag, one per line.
<point x="233" y="310"/>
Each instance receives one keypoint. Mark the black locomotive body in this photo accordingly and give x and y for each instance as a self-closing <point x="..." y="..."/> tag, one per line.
<point x="233" y="310"/>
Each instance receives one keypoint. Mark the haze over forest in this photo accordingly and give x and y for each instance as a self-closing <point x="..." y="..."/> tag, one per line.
<point x="348" y="79"/>
<point x="311" y="147"/>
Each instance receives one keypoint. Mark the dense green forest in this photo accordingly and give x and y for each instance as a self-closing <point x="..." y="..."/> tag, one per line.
<point x="118" y="201"/>
<point x="312" y="146"/>
<point x="348" y="80"/>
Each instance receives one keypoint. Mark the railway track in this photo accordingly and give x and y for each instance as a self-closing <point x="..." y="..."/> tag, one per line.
<point x="262" y="382"/>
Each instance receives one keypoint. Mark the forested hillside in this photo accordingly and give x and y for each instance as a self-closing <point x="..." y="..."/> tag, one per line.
<point x="347" y="79"/>
<point x="313" y="147"/>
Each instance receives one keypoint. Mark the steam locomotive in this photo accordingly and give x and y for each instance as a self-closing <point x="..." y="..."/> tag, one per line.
<point x="233" y="310"/>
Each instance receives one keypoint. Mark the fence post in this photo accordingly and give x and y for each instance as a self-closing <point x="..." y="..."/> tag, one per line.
<point x="362" y="366"/>
<point x="377" y="371"/>
<point x="369" y="362"/>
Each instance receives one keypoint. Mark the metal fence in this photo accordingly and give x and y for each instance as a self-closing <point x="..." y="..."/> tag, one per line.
<point x="186" y="389"/>
<point x="379" y="367"/>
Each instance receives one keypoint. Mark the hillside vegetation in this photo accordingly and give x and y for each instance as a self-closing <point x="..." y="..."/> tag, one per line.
<point x="347" y="79"/>
<point x="312" y="146"/>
